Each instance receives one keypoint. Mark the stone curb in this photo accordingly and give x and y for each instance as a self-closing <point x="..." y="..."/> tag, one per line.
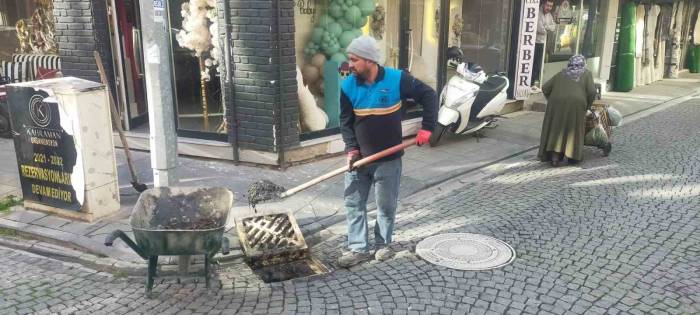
<point x="62" y="238"/>
<point x="67" y="254"/>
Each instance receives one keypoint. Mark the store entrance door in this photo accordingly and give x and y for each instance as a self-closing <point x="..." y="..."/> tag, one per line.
<point x="418" y="45"/>
<point x="126" y="32"/>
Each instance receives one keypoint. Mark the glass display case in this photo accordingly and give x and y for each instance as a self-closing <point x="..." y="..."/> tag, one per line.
<point x="576" y="30"/>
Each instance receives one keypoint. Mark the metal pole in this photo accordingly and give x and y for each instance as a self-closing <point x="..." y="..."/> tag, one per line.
<point x="232" y="124"/>
<point x="444" y="32"/>
<point x="159" y="86"/>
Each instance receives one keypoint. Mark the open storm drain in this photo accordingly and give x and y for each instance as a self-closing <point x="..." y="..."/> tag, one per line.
<point x="275" y="248"/>
<point x="465" y="251"/>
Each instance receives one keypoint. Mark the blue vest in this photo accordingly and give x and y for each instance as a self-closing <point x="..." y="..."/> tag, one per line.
<point x="377" y="110"/>
<point x="381" y="98"/>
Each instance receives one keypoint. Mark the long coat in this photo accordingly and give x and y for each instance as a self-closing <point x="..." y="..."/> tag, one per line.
<point x="563" y="128"/>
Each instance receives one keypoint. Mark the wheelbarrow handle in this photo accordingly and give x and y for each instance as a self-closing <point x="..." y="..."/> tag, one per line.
<point x="111" y="237"/>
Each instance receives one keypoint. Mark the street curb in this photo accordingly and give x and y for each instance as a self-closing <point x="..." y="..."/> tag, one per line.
<point x="65" y="239"/>
<point x="71" y="255"/>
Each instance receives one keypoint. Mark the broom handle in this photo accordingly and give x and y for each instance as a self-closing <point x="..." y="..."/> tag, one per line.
<point x="359" y="163"/>
<point x="115" y="115"/>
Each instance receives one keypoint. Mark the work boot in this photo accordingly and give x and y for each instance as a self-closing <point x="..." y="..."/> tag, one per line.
<point x="350" y="259"/>
<point x="384" y="253"/>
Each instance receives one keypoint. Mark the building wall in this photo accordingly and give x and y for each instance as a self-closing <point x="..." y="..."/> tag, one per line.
<point x="252" y="97"/>
<point x="255" y="65"/>
<point x="81" y="28"/>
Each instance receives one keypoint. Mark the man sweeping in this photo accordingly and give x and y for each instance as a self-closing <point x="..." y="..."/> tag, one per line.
<point x="370" y="121"/>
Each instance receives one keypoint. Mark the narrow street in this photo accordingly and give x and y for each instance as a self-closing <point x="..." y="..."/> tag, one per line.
<point x="611" y="235"/>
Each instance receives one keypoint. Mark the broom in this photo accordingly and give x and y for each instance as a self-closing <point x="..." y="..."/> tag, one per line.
<point x="140" y="187"/>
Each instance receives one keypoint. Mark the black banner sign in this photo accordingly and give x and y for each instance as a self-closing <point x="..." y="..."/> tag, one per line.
<point x="46" y="153"/>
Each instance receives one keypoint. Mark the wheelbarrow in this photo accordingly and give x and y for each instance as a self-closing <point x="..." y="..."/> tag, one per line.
<point x="174" y="221"/>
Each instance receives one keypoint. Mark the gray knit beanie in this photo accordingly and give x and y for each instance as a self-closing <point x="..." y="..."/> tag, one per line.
<point x="364" y="47"/>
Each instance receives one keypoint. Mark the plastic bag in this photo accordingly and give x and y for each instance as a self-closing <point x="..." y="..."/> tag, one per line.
<point x="596" y="137"/>
<point x="614" y="116"/>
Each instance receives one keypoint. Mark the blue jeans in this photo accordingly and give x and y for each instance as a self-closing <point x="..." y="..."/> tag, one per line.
<point x="386" y="177"/>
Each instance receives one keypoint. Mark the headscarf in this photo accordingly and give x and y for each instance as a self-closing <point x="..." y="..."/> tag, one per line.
<point x="576" y="67"/>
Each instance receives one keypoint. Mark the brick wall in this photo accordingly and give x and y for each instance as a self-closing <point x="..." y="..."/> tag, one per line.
<point x="81" y="28"/>
<point x="256" y="73"/>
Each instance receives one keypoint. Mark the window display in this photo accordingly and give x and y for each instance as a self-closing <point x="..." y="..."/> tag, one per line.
<point x="27" y="27"/>
<point x="484" y="34"/>
<point x="578" y="27"/>
<point x="325" y="28"/>
<point x="196" y="55"/>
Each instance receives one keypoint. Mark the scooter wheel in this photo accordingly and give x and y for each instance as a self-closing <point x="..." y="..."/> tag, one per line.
<point x="437" y="134"/>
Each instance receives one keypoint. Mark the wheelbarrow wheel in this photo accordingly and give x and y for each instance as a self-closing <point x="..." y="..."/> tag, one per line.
<point x="152" y="267"/>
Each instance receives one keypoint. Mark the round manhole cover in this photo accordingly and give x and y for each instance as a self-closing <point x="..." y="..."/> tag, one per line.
<point x="465" y="251"/>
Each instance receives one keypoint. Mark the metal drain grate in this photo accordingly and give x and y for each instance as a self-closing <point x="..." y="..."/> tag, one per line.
<point x="271" y="239"/>
<point x="465" y="251"/>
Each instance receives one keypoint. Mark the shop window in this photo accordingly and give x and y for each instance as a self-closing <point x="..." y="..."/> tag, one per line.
<point x="577" y="32"/>
<point x="481" y="28"/>
<point x="592" y="27"/>
<point x="323" y="31"/>
<point x="424" y="21"/>
<point x="35" y="21"/>
<point x="325" y="28"/>
<point x="196" y="56"/>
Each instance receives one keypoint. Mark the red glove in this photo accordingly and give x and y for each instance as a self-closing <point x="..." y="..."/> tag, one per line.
<point x="352" y="157"/>
<point x="423" y="137"/>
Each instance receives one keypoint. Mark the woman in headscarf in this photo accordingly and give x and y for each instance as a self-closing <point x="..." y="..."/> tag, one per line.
<point x="570" y="94"/>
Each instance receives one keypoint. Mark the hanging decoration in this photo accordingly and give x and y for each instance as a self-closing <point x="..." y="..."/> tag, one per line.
<point x="36" y="33"/>
<point x="199" y="26"/>
<point x="457" y="26"/>
<point x="437" y="21"/>
<point x="335" y="29"/>
<point x="378" y="23"/>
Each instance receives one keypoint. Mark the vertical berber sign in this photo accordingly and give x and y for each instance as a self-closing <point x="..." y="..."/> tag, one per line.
<point x="526" y="48"/>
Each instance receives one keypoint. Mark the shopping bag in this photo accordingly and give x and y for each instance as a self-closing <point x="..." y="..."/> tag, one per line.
<point x="614" y="116"/>
<point x="596" y="136"/>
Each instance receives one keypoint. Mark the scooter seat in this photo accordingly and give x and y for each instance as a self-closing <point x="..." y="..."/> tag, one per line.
<point x="487" y="91"/>
<point x="493" y="84"/>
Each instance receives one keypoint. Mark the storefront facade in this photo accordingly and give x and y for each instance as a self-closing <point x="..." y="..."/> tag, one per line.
<point x="264" y="76"/>
<point x="580" y="29"/>
<point x="592" y="28"/>
<point x="413" y="35"/>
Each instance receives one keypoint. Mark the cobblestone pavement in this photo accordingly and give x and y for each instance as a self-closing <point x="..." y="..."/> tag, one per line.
<point x="612" y="235"/>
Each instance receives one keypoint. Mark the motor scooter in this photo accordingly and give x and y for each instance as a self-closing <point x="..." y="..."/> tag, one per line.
<point x="471" y="100"/>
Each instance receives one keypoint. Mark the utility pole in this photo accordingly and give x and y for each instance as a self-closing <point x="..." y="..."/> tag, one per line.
<point x="155" y="24"/>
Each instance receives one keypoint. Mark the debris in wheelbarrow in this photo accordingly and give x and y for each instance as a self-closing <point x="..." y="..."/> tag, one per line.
<point x="175" y="221"/>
